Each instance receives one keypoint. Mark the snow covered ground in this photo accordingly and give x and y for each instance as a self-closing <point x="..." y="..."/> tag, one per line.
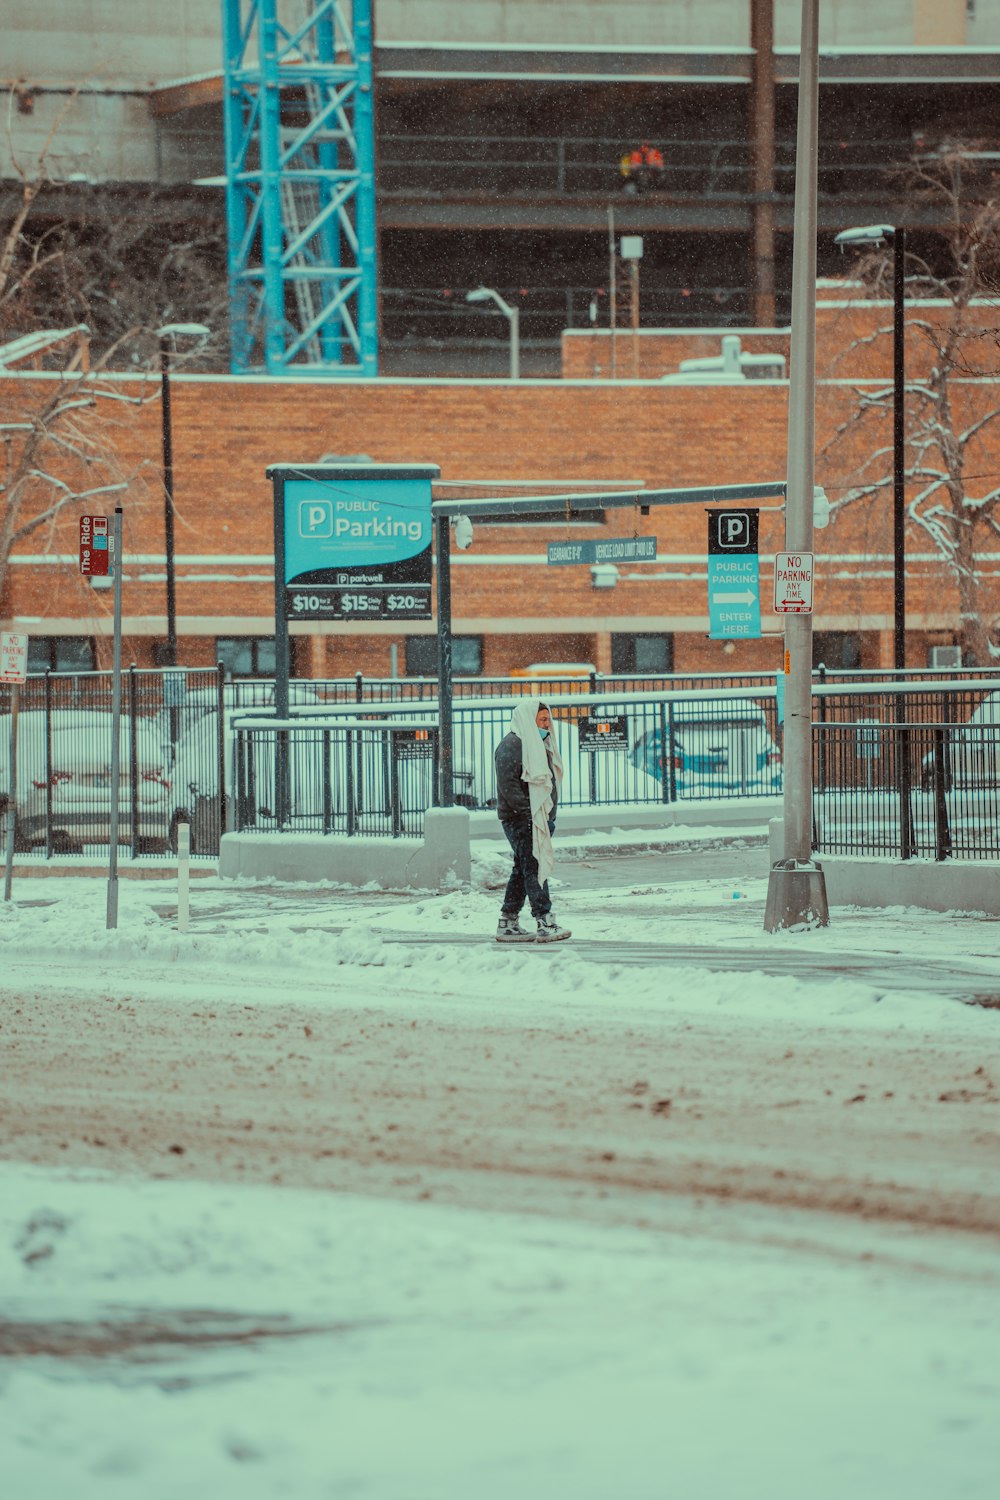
<point x="517" y="1319"/>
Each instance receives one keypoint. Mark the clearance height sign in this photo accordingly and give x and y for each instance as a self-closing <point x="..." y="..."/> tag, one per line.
<point x="353" y="541"/>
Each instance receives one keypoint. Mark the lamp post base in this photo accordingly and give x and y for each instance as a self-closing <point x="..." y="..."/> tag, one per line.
<point x="796" y="897"/>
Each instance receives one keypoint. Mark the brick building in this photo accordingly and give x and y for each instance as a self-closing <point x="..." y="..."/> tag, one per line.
<point x="510" y="609"/>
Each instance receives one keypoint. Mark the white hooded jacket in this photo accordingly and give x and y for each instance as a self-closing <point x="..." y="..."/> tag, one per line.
<point x="535" y="756"/>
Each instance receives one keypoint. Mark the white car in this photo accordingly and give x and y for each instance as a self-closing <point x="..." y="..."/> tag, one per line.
<point x="711" y="747"/>
<point x="77" y="780"/>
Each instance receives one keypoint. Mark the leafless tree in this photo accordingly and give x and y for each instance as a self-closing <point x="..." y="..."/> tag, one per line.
<point x="81" y="296"/>
<point x="57" y="448"/>
<point x="116" y="259"/>
<point x="952" y="462"/>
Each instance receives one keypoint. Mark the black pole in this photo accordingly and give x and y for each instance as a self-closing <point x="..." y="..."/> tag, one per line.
<point x="282" y="796"/>
<point x="898" y="450"/>
<point x="168" y="502"/>
<point x="445" y="745"/>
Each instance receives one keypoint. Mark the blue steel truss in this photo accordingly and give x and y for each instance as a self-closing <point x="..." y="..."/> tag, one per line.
<point x="300" y="193"/>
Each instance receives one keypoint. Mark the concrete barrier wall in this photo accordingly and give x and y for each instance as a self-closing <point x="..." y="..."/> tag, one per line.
<point x="936" y="885"/>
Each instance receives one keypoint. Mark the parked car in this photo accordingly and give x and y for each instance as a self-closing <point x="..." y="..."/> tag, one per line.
<point x="80" y="780"/>
<point x="715" y="747"/>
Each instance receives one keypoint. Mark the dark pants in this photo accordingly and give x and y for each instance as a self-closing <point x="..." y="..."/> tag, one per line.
<point x="524" y="876"/>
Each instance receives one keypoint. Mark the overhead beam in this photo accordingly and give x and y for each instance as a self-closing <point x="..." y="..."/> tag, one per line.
<point x="189" y="93"/>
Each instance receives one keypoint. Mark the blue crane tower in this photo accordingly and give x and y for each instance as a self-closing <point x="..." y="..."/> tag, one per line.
<point x="300" y="186"/>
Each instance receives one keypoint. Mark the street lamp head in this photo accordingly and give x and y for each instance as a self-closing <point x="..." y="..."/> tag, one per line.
<point x="481" y="294"/>
<point x="865" y="234"/>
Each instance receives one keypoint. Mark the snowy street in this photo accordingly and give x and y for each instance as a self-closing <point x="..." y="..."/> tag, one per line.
<point x="333" y="1196"/>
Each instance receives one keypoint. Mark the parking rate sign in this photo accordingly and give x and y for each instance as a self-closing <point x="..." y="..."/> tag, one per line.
<point x="357" y="542"/>
<point x="733" y="575"/>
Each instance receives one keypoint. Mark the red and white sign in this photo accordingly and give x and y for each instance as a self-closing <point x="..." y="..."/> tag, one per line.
<point x="793" y="583"/>
<point x="13" y="657"/>
<point x="95" y="547"/>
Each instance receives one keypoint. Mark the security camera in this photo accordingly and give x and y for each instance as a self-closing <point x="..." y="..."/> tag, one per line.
<point x="463" y="532"/>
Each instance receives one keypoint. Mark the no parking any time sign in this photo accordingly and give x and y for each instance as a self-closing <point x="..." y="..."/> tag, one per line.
<point x="793" y="583"/>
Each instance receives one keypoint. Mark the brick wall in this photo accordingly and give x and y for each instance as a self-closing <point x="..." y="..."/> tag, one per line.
<point x="227" y="431"/>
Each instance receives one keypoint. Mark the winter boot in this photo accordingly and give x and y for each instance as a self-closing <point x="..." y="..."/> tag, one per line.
<point x="509" y="930"/>
<point x="549" y="931"/>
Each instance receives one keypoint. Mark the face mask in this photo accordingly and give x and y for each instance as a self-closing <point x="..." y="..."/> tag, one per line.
<point x="544" y="733"/>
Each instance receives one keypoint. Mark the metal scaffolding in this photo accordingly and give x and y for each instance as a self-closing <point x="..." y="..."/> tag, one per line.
<point x="300" y="186"/>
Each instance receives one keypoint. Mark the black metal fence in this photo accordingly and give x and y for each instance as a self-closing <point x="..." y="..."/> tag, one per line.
<point x="900" y="766"/>
<point x="927" y="789"/>
<point x="350" y="777"/>
<point x="337" y="769"/>
<point x="170" y="753"/>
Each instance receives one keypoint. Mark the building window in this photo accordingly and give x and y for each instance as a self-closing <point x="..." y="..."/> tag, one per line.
<point x="651" y="654"/>
<point x="246" y="655"/>
<point x="422" y="655"/>
<point x="61" y="653"/>
<point x="840" y="650"/>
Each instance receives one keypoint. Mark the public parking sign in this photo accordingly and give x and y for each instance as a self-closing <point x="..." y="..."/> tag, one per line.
<point x="95" y="547"/>
<point x="733" y="574"/>
<point x="793" y="583"/>
<point x="13" y="657"/>
<point x="354" y="541"/>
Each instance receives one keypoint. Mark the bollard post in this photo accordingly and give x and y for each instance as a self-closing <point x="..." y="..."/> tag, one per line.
<point x="183" y="876"/>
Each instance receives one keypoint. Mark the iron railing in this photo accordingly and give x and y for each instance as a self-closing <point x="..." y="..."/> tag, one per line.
<point x="191" y="752"/>
<point x="908" y="790"/>
<point x="171" y="748"/>
<point x="713" y="170"/>
<point x="351" y="772"/>
<point x="351" y="777"/>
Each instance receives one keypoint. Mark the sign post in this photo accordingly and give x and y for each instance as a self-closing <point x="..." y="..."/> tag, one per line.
<point x="116" y="719"/>
<point x="351" y="542"/>
<point x="733" y="574"/>
<point x="13" y="669"/>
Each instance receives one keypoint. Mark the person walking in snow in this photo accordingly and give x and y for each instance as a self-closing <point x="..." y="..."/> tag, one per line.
<point x="529" y="772"/>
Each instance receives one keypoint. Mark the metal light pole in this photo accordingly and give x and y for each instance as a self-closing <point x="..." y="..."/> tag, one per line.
<point x="796" y="892"/>
<point x="485" y="294"/>
<point x="877" y="234"/>
<point x="166" y="335"/>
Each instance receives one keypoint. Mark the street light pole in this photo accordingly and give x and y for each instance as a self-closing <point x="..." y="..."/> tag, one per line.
<point x="877" y="234"/>
<point x="168" y="501"/>
<point x="796" y="891"/>
<point x="898" y="449"/>
<point x="513" y="316"/>
<point x="169" y="332"/>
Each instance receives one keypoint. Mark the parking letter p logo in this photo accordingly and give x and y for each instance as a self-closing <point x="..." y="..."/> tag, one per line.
<point x="734" y="528"/>
<point x="315" y="518"/>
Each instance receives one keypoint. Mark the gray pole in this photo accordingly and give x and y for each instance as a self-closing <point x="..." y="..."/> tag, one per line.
<point x="445" y="716"/>
<point x="515" y="342"/>
<point x="11" y="819"/>
<point x="796" y="893"/>
<point x="116" y="733"/>
<point x="168" y="501"/>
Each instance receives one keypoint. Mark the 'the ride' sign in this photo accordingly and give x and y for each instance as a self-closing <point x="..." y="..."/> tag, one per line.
<point x="95" y="554"/>
<point x="793" y="583"/>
